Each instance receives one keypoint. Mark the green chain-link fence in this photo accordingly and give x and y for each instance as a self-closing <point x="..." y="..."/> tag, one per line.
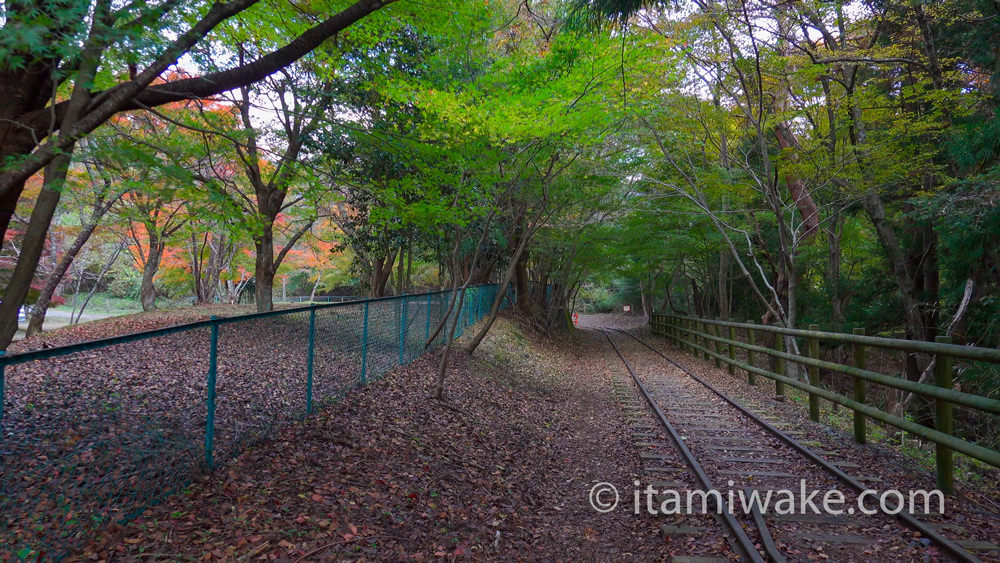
<point x="95" y="433"/>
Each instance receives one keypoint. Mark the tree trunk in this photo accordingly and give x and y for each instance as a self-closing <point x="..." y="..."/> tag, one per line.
<point x="45" y="207"/>
<point x="408" y="286"/>
<point x="796" y="187"/>
<point x="312" y="294"/>
<point x="380" y="273"/>
<point x="644" y="301"/>
<point x="443" y="370"/>
<point x="834" y="257"/>
<point x="501" y="293"/>
<point x="31" y="249"/>
<point x="723" y="283"/>
<point x="443" y="323"/>
<point x="873" y="206"/>
<point x="197" y="261"/>
<point x="264" y="270"/>
<point x="521" y="285"/>
<point x="148" y="290"/>
<point x="401" y="272"/>
<point x="443" y="367"/>
<point x="97" y="282"/>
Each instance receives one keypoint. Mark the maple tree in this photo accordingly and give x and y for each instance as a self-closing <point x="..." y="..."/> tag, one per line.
<point x="104" y="59"/>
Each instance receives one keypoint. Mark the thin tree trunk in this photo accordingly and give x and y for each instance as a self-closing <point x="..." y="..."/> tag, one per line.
<point x="312" y="294"/>
<point x="451" y="303"/>
<point x="443" y="369"/>
<point x="401" y="272"/>
<point x="502" y="287"/>
<point x="97" y="283"/>
<point x="147" y="293"/>
<point x="872" y="204"/>
<point x="408" y="287"/>
<point x="454" y="283"/>
<point x="723" y="291"/>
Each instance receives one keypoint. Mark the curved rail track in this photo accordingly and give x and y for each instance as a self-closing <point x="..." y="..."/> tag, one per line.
<point x="722" y="442"/>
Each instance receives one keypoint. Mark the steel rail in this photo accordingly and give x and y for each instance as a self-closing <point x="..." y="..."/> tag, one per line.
<point x="925" y="529"/>
<point x="744" y="543"/>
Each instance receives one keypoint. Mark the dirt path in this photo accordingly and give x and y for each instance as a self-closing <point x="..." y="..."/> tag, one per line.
<point x="500" y="471"/>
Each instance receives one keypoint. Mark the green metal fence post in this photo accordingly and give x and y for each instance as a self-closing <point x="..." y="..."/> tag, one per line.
<point x="427" y="325"/>
<point x="732" y="351"/>
<point x="213" y="353"/>
<point x="860" y="432"/>
<point x="814" y="375"/>
<point x="309" y="361"/>
<point x="779" y="366"/>
<point x="402" y="329"/>
<point x="944" y="420"/>
<point x="364" y="346"/>
<point x="751" y="340"/>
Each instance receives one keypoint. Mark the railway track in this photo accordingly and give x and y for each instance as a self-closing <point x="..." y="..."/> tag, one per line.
<point x="729" y="449"/>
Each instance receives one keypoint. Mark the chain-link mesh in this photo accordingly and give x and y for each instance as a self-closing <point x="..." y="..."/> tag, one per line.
<point x="95" y="433"/>
<point x="95" y="436"/>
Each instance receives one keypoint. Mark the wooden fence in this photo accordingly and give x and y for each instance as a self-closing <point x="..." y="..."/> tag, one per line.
<point x="719" y="340"/>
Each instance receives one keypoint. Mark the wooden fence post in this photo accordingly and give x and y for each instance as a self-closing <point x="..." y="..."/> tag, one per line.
<point x="732" y="351"/>
<point x="944" y="420"/>
<point x="860" y="360"/>
<point x="704" y="339"/>
<point x="814" y="375"/>
<point x="716" y="347"/>
<point x="779" y="366"/>
<point x="751" y="340"/>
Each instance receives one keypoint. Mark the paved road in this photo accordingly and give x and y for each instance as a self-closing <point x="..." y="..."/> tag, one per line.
<point x="55" y="318"/>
